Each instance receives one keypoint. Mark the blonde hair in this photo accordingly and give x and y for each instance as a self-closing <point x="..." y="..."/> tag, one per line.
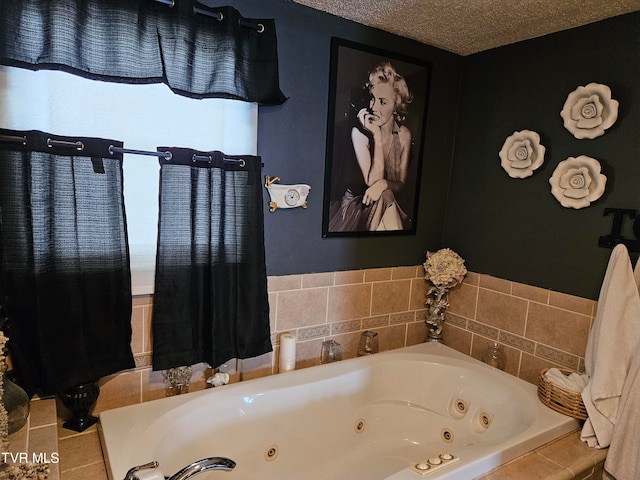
<point x="386" y="73"/>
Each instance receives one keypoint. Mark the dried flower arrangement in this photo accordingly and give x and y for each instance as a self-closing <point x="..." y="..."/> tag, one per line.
<point x="444" y="270"/>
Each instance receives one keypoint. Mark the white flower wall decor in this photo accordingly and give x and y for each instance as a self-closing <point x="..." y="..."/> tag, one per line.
<point x="589" y="111"/>
<point x="521" y="154"/>
<point x="577" y="181"/>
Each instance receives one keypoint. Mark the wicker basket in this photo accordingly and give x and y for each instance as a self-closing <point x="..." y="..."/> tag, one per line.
<point x="559" y="398"/>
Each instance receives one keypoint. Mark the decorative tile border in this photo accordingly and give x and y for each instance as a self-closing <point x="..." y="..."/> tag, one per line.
<point x="344" y="327"/>
<point x="314" y="332"/>
<point x="404" y="317"/>
<point x="375" y="322"/>
<point x="142" y="360"/>
<point x="482" y="329"/>
<point x="557" y="356"/>
<point x="458" y="321"/>
<point x="518" y="342"/>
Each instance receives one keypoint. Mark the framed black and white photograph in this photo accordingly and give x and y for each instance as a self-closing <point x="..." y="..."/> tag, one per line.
<point x="377" y="112"/>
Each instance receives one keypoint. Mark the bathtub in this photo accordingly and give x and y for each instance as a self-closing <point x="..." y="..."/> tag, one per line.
<point x="384" y="416"/>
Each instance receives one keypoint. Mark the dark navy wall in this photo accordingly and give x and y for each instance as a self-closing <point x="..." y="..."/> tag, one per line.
<point x="292" y="142"/>
<point x="516" y="229"/>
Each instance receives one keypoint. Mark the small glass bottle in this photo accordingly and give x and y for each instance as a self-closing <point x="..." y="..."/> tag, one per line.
<point x="495" y="356"/>
<point x="368" y="343"/>
<point x="331" y="351"/>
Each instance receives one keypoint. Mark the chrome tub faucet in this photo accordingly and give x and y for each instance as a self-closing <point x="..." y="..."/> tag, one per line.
<point x="211" y="463"/>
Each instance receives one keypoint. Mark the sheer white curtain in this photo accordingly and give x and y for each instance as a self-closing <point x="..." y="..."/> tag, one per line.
<point x="143" y="117"/>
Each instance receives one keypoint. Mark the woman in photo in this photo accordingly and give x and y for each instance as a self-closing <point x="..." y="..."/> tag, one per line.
<point x="381" y="144"/>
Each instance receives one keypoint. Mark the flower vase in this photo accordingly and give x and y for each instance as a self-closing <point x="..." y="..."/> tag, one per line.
<point x="437" y="305"/>
<point x="15" y="402"/>
<point x="80" y="400"/>
<point x="444" y="270"/>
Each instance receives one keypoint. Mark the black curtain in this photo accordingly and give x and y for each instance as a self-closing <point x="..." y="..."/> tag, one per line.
<point x="210" y="300"/>
<point x="146" y="41"/>
<point x="65" y="259"/>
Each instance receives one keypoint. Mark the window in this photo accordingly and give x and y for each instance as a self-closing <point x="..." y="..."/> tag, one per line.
<point x="143" y="117"/>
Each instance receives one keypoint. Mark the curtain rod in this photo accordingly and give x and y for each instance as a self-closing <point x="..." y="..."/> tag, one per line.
<point x="113" y="149"/>
<point x="12" y="139"/>
<point x="168" y="155"/>
<point x="217" y="15"/>
<point x="149" y="153"/>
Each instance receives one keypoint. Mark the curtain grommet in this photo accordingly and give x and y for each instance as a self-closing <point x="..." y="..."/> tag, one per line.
<point x="61" y="143"/>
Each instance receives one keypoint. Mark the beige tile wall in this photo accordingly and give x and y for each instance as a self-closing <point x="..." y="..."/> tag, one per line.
<point x="538" y="327"/>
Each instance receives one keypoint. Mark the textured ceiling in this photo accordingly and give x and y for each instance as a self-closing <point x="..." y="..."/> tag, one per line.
<point x="470" y="26"/>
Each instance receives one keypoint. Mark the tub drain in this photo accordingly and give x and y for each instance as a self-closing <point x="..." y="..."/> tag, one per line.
<point x="359" y="426"/>
<point x="446" y="435"/>
<point x="271" y="453"/>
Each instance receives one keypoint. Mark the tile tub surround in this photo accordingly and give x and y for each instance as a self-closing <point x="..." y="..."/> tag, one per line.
<point x="539" y="328"/>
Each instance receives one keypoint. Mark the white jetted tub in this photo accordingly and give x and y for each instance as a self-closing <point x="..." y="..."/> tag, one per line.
<point x="369" y="418"/>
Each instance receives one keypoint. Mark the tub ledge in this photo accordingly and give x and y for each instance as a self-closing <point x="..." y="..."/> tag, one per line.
<point x="565" y="458"/>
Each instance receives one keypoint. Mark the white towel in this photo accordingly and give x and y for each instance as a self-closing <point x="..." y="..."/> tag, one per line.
<point x="623" y="458"/>
<point x="574" y="381"/>
<point x="613" y="341"/>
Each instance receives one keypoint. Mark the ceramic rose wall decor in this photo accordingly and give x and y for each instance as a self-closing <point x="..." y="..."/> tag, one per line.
<point x="589" y="111"/>
<point x="576" y="182"/>
<point x="521" y="154"/>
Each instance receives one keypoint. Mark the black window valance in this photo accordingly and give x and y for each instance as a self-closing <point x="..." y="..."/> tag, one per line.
<point x="215" y="53"/>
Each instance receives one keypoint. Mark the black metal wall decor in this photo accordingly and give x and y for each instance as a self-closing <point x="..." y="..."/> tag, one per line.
<point x="616" y="237"/>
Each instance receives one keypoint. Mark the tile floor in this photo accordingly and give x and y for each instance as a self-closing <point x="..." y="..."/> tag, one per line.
<point x="38" y="436"/>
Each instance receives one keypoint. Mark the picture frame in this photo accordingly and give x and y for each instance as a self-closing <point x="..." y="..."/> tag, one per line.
<point x="373" y="156"/>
